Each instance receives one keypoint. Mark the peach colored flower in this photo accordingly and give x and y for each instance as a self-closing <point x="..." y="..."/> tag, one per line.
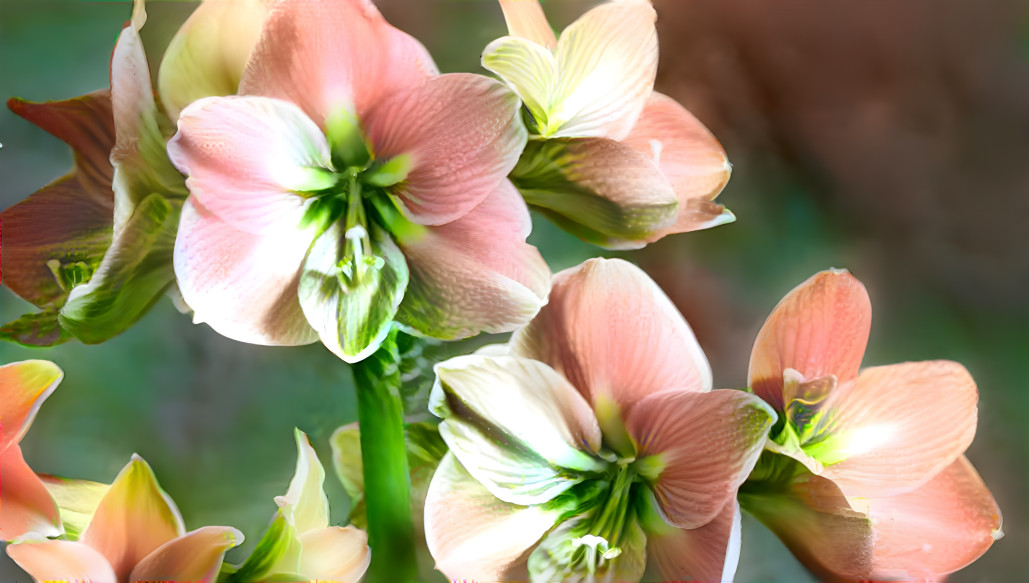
<point x="350" y="186"/>
<point x="25" y="504"/>
<point x="612" y="161"/>
<point x="865" y="475"/>
<point x="135" y="534"/>
<point x="593" y="445"/>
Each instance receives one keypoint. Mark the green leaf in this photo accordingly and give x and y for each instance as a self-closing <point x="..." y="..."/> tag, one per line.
<point x="350" y="289"/>
<point x="40" y="329"/>
<point x="134" y="273"/>
<point x="600" y="190"/>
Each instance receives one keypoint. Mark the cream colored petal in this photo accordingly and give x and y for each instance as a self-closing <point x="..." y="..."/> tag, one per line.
<point x="337" y="554"/>
<point x="606" y="62"/>
<point x="473" y="535"/>
<point x="195" y="557"/>
<point x="305" y="504"/>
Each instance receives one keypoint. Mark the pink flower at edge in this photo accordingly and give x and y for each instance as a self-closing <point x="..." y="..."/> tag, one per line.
<point x="135" y="534"/>
<point x="601" y="407"/>
<point x="25" y="505"/>
<point x="879" y="487"/>
<point x="616" y="163"/>
<point x="350" y="186"/>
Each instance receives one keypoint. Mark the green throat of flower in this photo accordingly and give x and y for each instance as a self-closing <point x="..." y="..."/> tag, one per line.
<point x="355" y="274"/>
<point x="804" y="428"/>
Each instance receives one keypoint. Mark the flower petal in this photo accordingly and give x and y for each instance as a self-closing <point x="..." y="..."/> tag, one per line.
<point x="611" y="331"/>
<point x="811" y="516"/>
<point x="86" y="123"/>
<point x="464" y="134"/>
<point x="689" y="157"/>
<point x="516" y="425"/>
<point x="135" y="272"/>
<point x="305" y="505"/>
<point x="338" y="554"/>
<point x="900" y="425"/>
<point x="475" y="274"/>
<point x="25" y="385"/>
<point x="133" y="519"/>
<point x="207" y="55"/>
<point x="937" y="528"/>
<point x="819" y="329"/>
<point x="76" y="500"/>
<point x="324" y="56"/>
<point x="607" y="61"/>
<point x="525" y="19"/>
<point x="473" y="535"/>
<point x="58" y="560"/>
<point x="245" y="156"/>
<point x="707" y="444"/>
<point x="196" y="557"/>
<point x="600" y="190"/>
<point x="707" y="553"/>
<point x="529" y="69"/>
<point x="243" y="285"/>
<point x="141" y="165"/>
<point x="350" y="288"/>
<point x="25" y="504"/>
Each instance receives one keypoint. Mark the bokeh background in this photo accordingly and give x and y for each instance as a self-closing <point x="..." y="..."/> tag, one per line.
<point x="889" y="138"/>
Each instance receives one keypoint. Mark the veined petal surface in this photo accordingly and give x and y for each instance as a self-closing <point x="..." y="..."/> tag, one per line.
<point x="706" y="553"/>
<point x="245" y="157"/>
<point x="707" y="444"/>
<point x="464" y="134"/>
<point x="324" y="56"/>
<point x="525" y="18"/>
<point x="243" y="285"/>
<point x="607" y="61"/>
<point x="475" y="274"/>
<point x="611" y="331"/>
<point x="899" y="425"/>
<point x="820" y="328"/>
<point x="689" y="157"/>
<point x="510" y="418"/>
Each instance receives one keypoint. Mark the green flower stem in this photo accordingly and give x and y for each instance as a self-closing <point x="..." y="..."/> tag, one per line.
<point x="387" y="486"/>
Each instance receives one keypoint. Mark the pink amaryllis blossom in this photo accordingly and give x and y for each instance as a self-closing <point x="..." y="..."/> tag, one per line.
<point x="25" y="504"/>
<point x="591" y="444"/>
<point x="611" y="160"/>
<point x="135" y="534"/>
<point x="865" y="476"/>
<point x="350" y="186"/>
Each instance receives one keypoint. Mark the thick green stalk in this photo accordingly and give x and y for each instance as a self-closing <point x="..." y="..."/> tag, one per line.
<point x="387" y="485"/>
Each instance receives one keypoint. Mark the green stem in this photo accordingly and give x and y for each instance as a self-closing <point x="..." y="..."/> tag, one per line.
<point x="387" y="485"/>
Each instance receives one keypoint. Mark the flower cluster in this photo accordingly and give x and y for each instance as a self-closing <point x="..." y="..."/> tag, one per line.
<point x="302" y="172"/>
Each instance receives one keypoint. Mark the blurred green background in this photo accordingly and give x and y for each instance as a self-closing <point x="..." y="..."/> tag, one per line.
<point x="888" y="138"/>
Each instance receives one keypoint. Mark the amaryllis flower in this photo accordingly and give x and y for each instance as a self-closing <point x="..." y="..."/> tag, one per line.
<point x="300" y="545"/>
<point x="595" y="445"/>
<point x="93" y="249"/>
<point x="611" y="161"/>
<point x="350" y="186"/>
<point x="865" y="475"/>
<point x="25" y="504"/>
<point x="135" y="534"/>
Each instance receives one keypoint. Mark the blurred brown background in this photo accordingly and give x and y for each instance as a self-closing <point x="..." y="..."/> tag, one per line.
<point x="887" y="137"/>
